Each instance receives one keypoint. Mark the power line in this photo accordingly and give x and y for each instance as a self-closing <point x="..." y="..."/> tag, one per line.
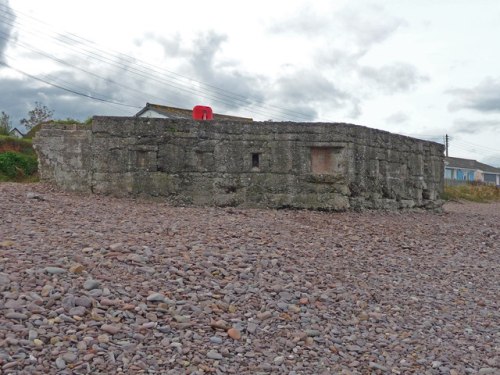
<point x="62" y="62"/>
<point x="67" y="89"/>
<point x="227" y="96"/>
<point x="479" y="146"/>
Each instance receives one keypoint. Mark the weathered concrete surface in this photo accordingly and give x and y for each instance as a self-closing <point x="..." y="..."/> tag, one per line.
<point x="299" y="165"/>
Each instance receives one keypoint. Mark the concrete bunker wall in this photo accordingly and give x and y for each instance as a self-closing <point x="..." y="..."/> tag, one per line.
<point x="259" y="164"/>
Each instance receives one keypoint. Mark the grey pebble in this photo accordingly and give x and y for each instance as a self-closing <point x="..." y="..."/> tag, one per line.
<point x="212" y="354"/>
<point x="216" y="340"/>
<point x="60" y="363"/>
<point x="91" y="284"/>
<point x="54" y="270"/>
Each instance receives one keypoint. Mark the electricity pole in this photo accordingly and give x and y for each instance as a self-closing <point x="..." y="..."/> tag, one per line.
<point x="446" y="143"/>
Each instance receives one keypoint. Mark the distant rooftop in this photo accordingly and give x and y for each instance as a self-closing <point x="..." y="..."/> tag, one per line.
<point x="469" y="164"/>
<point x="173" y="112"/>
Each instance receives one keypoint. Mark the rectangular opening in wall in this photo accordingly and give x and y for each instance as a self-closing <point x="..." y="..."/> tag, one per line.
<point x="255" y="160"/>
<point x="326" y="160"/>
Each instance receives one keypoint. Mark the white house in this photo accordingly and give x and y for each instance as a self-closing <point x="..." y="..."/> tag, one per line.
<point x="15" y="132"/>
<point x="162" y="111"/>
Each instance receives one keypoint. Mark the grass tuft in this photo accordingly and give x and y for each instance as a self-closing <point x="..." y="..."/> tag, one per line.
<point x="472" y="192"/>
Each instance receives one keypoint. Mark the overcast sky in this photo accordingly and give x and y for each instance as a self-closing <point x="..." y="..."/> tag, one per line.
<point x="423" y="68"/>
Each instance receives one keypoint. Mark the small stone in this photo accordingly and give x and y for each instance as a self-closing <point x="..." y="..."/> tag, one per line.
<point x="37" y="342"/>
<point x="32" y="334"/>
<point x="16" y="316"/>
<point x="156" y="297"/>
<point x="264" y="315"/>
<point x="109" y="328"/>
<point x="212" y="354"/>
<point x="377" y="366"/>
<point x="219" y="324"/>
<point x="103" y="339"/>
<point x="69" y="357"/>
<point x="83" y="301"/>
<point x="128" y="306"/>
<point x="4" y="278"/>
<point x="108" y="302"/>
<point x="60" y="363"/>
<point x="488" y="370"/>
<point x="279" y="360"/>
<point x="216" y="340"/>
<point x="95" y="293"/>
<point x="251" y="327"/>
<point x="234" y="333"/>
<point x="304" y="301"/>
<point x="33" y="195"/>
<point x="77" y="311"/>
<point x="436" y="364"/>
<point x="91" y="284"/>
<point x="46" y="290"/>
<point x="363" y="316"/>
<point x="82" y="346"/>
<point x="282" y="306"/>
<point x="116" y="246"/>
<point x="54" y="270"/>
<point x="312" y="332"/>
<point x="76" y="268"/>
<point x="181" y="318"/>
<point x="136" y="258"/>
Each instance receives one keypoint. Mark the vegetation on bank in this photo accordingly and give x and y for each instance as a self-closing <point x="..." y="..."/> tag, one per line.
<point x="472" y="192"/>
<point x="18" y="161"/>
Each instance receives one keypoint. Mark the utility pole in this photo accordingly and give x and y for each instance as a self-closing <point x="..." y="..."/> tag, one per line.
<point x="446" y="143"/>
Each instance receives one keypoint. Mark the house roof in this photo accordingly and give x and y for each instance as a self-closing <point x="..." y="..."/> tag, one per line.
<point x="469" y="164"/>
<point x="17" y="131"/>
<point x="173" y="112"/>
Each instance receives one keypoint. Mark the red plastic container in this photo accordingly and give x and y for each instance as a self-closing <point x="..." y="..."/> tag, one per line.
<point x="201" y="112"/>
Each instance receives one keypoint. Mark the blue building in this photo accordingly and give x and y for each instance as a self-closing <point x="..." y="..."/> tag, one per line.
<point x="458" y="169"/>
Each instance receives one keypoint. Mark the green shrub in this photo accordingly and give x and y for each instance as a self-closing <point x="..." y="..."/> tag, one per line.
<point x="16" y="165"/>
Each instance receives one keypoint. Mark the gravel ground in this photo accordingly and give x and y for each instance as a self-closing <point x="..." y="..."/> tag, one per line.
<point x="98" y="285"/>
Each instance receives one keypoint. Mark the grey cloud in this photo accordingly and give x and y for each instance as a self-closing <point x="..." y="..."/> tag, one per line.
<point x="493" y="160"/>
<point x="397" y="118"/>
<point x="307" y="87"/>
<point x="360" y="28"/>
<point x="476" y="126"/>
<point x="144" y="85"/>
<point x="172" y="45"/>
<point x="397" y="77"/>
<point x="308" y="90"/>
<point x="304" y="22"/>
<point x="223" y="81"/>
<point x="370" y="25"/>
<point x="5" y="27"/>
<point x="485" y="97"/>
<point x="25" y="92"/>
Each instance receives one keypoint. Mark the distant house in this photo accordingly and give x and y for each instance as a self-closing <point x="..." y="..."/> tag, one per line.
<point x="162" y="111"/>
<point x="459" y="169"/>
<point x="15" y="132"/>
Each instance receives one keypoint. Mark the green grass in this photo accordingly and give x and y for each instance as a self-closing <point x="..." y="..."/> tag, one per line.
<point x="18" y="161"/>
<point x="473" y="193"/>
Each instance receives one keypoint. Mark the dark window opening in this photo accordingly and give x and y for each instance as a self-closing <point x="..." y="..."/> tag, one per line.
<point x="255" y="160"/>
